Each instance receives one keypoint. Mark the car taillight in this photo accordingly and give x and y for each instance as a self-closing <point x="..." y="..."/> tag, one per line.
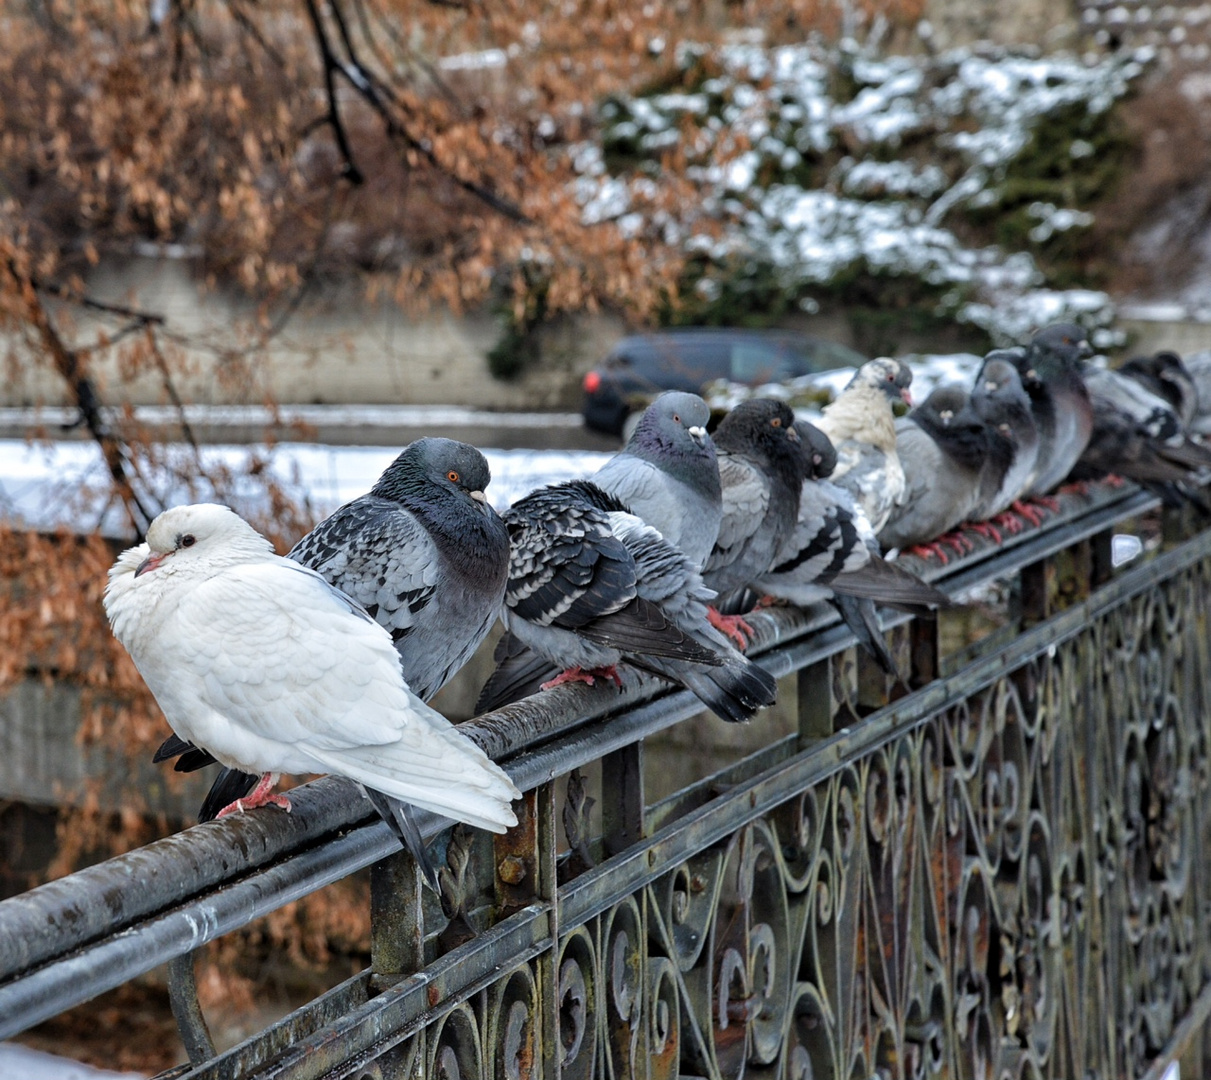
<point x="592" y="382"/>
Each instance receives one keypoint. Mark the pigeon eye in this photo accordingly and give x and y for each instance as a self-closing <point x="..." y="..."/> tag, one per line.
<point x="676" y="419"/>
<point x="453" y="476"/>
<point x="776" y="422"/>
<point x="188" y="540"/>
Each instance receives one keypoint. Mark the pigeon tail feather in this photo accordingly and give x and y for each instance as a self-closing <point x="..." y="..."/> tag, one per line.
<point x="399" y="816"/>
<point x="480" y="797"/>
<point x="863" y="621"/>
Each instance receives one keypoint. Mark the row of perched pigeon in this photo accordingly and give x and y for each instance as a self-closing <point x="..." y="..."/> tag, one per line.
<point x="1035" y="417"/>
<point x="322" y="661"/>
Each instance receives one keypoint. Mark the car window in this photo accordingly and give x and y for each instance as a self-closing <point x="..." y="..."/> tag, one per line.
<point x="753" y="362"/>
<point x="825" y="356"/>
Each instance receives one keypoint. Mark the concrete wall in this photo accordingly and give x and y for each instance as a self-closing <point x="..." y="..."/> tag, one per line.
<point x="343" y="350"/>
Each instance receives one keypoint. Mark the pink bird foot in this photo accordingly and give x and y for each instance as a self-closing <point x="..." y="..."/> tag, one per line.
<point x="987" y="530"/>
<point x="932" y="550"/>
<point x="589" y="677"/>
<point x="1114" y="480"/>
<point x="1048" y="502"/>
<point x="733" y="625"/>
<point x="261" y="795"/>
<point x="1030" y="511"/>
<point x="1009" y="521"/>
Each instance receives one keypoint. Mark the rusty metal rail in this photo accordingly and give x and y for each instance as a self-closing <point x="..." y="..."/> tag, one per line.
<point x="896" y="895"/>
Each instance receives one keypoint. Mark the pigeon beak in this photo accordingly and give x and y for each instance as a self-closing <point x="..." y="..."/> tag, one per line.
<point x="478" y="496"/>
<point x="151" y="562"/>
<point x="698" y="432"/>
<point x="793" y="435"/>
<point x="906" y="396"/>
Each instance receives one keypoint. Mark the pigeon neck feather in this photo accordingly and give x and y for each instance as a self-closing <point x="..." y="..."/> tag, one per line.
<point x="862" y="413"/>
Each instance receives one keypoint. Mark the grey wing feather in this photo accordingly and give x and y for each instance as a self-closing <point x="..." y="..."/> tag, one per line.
<point x="746" y="495"/>
<point x="380" y="555"/>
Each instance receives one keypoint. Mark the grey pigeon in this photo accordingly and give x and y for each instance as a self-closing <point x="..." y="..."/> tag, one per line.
<point x="1153" y="418"/>
<point x="591" y="585"/>
<point x="759" y="468"/>
<point x="667" y="474"/>
<point x="862" y="427"/>
<point x="1165" y="375"/>
<point x="945" y="449"/>
<point x="1050" y="368"/>
<point x="1001" y="402"/>
<point x="832" y="554"/>
<point x="424" y="554"/>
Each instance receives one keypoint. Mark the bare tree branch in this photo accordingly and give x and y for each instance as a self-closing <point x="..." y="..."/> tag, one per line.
<point x="72" y="369"/>
<point x="351" y="172"/>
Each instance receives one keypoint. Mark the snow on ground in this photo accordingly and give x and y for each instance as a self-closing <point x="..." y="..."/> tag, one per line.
<point x="330" y="416"/>
<point x="47" y="485"/>
<point x="21" y="1063"/>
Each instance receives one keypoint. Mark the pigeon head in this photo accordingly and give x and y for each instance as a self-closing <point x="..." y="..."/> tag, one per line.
<point x="201" y="534"/>
<point x="948" y="416"/>
<point x="764" y="425"/>
<point x="763" y="430"/>
<point x="1061" y="345"/>
<point x="887" y="375"/>
<point x="671" y="434"/>
<point x="999" y="378"/>
<point x="432" y="465"/>
<point x="675" y="419"/>
<point x="818" y="456"/>
<point x="1168" y="368"/>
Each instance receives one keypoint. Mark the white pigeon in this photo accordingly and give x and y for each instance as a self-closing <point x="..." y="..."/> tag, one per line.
<point x="264" y="664"/>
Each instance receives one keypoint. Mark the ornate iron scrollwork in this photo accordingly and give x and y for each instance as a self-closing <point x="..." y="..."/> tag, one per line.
<point x="1006" y="887"/>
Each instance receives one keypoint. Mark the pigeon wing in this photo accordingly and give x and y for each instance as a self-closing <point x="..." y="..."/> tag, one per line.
<point x="376" y="552"/>
<point x="746" y="496"/>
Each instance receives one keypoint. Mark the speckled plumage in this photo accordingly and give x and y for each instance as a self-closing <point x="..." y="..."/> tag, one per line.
<point x="590" y="584"/>
<point x="862" y="428"/>
<point x="423" y="555"/>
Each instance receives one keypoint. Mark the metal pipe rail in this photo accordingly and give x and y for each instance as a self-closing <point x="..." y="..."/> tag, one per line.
<point x="69" y="940"/>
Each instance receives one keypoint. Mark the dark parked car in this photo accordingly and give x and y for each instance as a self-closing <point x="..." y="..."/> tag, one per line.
<point x="640" y="367"/>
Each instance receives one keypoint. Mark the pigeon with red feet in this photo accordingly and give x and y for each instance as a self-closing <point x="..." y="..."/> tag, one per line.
<point x="262" y="664"/>
<point x="1050" y="368"/>
<point x="591" y="586"/>
<point x="950" y="461"/>
<point x="757" y="449"/>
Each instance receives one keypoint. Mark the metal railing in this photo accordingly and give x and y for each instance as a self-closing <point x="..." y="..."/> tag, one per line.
<point x="996" y="871"/>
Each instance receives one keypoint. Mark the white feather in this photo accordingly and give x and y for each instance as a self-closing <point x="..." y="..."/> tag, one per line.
<point x="263" y="663"/>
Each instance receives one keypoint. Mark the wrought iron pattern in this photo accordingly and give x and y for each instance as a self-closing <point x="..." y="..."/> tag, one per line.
<point x="1009" y="887"/>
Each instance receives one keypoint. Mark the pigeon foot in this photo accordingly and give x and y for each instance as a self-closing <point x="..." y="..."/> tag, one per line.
<point x="589" y="677"/>
<point x="261" y="795"/>
<point x="1031" y="511"/>
<point x="928" y="551"/>
<point x="987" y="530"/>
<point x="733" y="625"/>
<point x="1009" y="521"/>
